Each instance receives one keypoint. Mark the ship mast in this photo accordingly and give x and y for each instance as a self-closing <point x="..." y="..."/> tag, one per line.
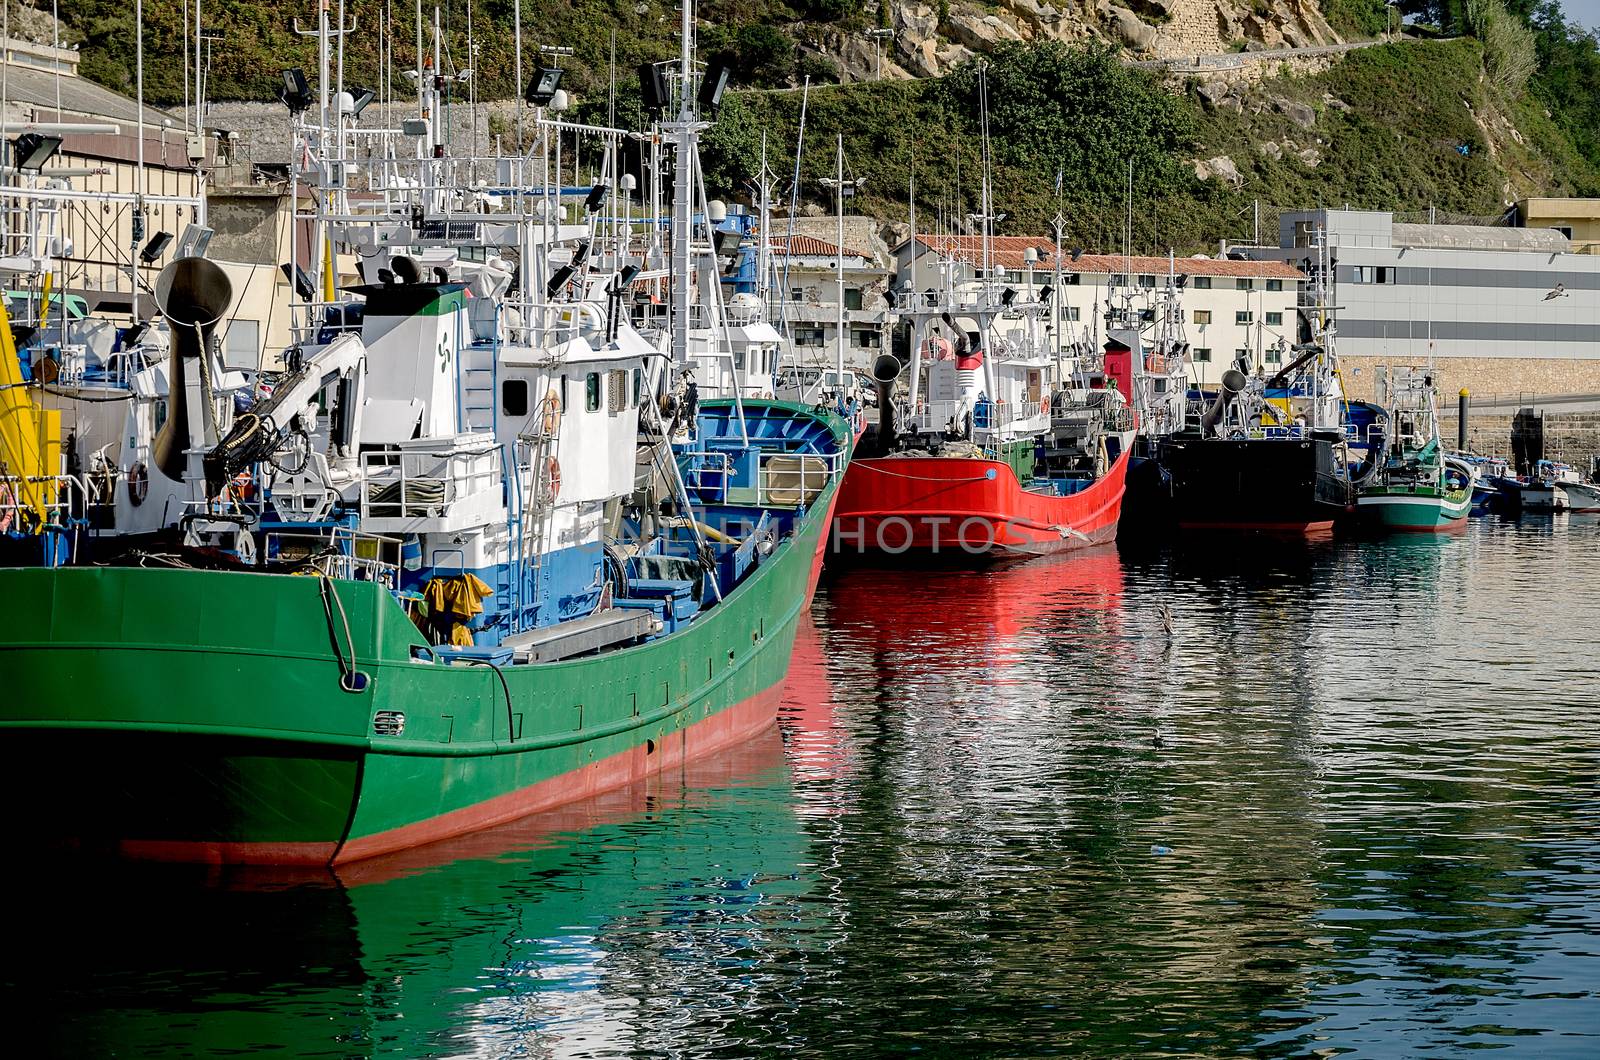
<point x="683" y="130"/>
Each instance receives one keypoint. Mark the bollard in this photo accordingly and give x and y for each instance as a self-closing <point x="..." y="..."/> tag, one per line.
<point x="1461" y="420"/>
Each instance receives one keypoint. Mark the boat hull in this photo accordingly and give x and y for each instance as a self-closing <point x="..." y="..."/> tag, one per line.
<point x="1418" y="513"/>
<point x="962" y="509"/>
<point x="1287" y="486"/>
<point x="1581" y="496"/>
<point x="194" y="715"/>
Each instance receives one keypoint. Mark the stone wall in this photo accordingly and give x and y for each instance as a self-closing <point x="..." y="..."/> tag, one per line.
<point x="1573" y="437"/>
<point x="1570" y="436"/>
<point x="1487" y="377"/>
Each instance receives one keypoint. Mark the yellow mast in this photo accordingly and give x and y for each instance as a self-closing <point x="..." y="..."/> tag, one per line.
<point x="22" y="446"/>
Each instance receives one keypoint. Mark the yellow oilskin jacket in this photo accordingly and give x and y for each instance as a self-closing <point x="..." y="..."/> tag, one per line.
<point x="454" y="600"/>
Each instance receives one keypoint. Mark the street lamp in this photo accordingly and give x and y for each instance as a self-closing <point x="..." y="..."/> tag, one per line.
<point x="878" y="37"/>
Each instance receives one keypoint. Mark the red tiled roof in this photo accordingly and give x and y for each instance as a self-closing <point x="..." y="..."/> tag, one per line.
<point x="1007" y="252"/>
<point x="810" y="247"/>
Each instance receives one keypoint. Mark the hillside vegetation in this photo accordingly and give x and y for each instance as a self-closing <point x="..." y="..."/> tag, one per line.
<point x="1509" y="108"/>
<point x="1403" y="126"/>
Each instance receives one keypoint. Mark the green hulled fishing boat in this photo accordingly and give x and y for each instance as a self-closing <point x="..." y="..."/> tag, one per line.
<point x="1415" y="486"/>
<point x="477" y="546"/>
<point x="208" y="715"/>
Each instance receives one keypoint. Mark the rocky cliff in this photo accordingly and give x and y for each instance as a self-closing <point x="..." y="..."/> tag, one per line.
<point x="924" y="45"/>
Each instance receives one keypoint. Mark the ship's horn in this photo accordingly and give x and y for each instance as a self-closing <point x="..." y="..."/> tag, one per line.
<point x="193" y="294"/>
<point x="1233" y="381"/>
<point x="886" y="368"/>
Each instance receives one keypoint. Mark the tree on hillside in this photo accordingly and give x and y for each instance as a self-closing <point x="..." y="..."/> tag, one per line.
<point x="1081" y="111"/>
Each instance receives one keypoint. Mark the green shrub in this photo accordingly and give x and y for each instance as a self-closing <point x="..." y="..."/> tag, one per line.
<point x="1357" y="18"/>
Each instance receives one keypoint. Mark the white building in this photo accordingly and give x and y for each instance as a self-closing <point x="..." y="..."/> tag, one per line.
<point x="806" y="297"/>
<point x="1231" y="310"/>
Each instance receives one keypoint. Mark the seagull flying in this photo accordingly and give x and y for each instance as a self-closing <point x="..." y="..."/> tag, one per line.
<point x="1558" y="291"/>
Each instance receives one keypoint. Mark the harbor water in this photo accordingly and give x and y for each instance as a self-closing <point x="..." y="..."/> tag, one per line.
<point x="1235" y="797"/>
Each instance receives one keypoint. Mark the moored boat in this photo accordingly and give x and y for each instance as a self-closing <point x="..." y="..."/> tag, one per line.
<point x="474" y="554"/>
<point x="1268" y="451"/>
<point x="236" y="717"/>
<point x="1417" y="486"/>
<point x="989" y="452"/>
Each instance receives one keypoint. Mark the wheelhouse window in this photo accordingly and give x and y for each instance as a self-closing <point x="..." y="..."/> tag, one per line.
<point x="514" y="397"/>
<point x="591" y="392"/>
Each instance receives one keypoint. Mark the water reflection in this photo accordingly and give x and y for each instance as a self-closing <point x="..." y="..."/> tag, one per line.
<point x="570" y="933"/>
<point x="1274" y="799"/>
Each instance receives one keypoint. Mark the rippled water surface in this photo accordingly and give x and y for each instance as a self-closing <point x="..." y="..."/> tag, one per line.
<point x="1239" y="798"/>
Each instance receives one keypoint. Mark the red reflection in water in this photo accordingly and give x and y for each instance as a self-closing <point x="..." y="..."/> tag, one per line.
<point x="954" y="619"/>
<point x="818" y="749"/>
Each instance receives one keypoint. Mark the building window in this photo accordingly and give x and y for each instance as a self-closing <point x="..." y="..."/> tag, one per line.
<point x="1201" y="283"/>
<point x="1274" y="355"/>
<point x="1072" y="313"/>
<point x="1071" y="279"/>
<point x="1274" y="320"/>
<point x="1244" y="316"/>
<point x="1372" y="274"/>
<point x="1244" y="283"/>
<point x="796" y="295"/>
<point x="1118" y="280"/>
<point x="852" y="298"/>
<point x="866" y="338"/>
<point x="514" y="397"/>
<point x="1202" y="316"/>
<point x="591" y="392"/>
<point x="1202" y="353"/>
<point x="1242" y="355"/>
<point x="808" y="336"/>
<point x="1147" y="281"/>
<point x="1274" y="285"/>
<point x="1565" y="230"/>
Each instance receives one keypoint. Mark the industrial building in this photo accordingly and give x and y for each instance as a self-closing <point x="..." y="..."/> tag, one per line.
<point x="1506" y="312"/>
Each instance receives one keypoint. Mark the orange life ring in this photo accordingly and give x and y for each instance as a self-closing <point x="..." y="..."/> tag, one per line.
<point x="1044" y="405"/>
<point x="551" y="407"/>
<point x="552" y="476"/>
<point x="138" y="484"/>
